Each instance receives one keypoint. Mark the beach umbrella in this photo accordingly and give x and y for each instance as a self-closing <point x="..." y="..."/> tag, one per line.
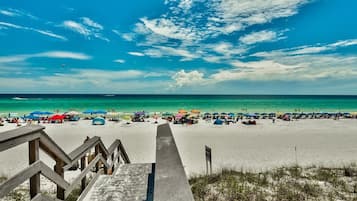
<point x="231" y="114"/>
<point x="32" y="117"/>
<point x="40" y="113"/>
<point x="113" y="114"/>
<point x="140" y="113"/>
<point x="88" y="111"/>
<point x="100" y="112"/>
<point x="57" y="117"/>
<point x="179" y="115"/>
<point x="126" y="117"/>
<point x="72" y="113"/>
<point x="195" y="111"/>
<point x="182" y="111"/>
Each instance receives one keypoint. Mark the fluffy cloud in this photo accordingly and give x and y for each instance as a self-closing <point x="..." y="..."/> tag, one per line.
<point x="161" y="51"/>
<point x="43" y="32"/>
<point x="87" y="21"/>
<point x="125" y="36"/>
<point x="235" y="15"/>
<point x="167" y="28"/>
<point x="183" y="78"/>
<point x="87" y="27"/>
<point x="260" y="36"/>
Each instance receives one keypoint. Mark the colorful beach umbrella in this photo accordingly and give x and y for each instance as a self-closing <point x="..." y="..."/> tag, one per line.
<point x="195" y="111"/>
<point x="182" y="111"/>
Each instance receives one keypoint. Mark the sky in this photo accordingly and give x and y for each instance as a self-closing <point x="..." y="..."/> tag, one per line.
<point x="179" y="46"/>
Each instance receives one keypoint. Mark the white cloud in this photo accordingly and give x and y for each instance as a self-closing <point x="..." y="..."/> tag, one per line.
<point x="63" y="54"/>
<point x="310" y="49"/>
<point x="8" y="13"/>
<point x="50" y="54"/>
<point x="11" y="12"/>
<point x="167" y="28"/>
<point x="160" y="51"/>
<point x="183" y="78"/>
<point x="260" y="36"/>
<point x="87" y="21"/>
<point x="76" y="27"/>
<point x="139" y="54"/>
<point x="43" y="32"/>
<point x="236" y="15"/>
<point x="125" y="36"/>
<point x="87" y="80"/>
<point x="87" y="28"/>
<point x="212" y="19"/>
<point x="119" y="61"/>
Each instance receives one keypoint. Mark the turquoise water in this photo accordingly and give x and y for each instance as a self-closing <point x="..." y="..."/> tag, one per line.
<point x="24" y="103"/>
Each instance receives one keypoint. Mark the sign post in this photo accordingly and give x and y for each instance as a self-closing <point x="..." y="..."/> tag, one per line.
<point x="208" y="152"/>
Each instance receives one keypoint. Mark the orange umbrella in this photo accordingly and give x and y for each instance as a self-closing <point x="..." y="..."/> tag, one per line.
<point x="182" y="111"/>
<point x="195" y="111"/>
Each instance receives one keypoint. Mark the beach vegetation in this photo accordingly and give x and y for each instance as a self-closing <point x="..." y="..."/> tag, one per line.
<point x="283" y="184"/>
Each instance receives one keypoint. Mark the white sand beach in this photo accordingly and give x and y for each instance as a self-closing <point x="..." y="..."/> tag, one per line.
<point x="266" y="145"/>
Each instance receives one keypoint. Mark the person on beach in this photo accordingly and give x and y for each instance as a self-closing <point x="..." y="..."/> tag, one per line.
<point x="273" y="120"/>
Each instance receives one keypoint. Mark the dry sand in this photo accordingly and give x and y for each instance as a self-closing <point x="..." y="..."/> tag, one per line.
<point x="264" y="146"/>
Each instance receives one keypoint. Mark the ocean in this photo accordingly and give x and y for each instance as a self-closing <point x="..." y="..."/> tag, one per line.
<point x="25" y="103"/>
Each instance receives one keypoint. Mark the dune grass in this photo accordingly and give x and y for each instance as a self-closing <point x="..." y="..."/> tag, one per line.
<point x="283" y="184"/>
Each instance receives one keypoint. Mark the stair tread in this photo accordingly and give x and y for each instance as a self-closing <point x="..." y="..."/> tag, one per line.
<point x="128" y="183"/>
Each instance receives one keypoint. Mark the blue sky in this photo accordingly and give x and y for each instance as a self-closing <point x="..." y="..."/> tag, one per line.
<point x="179" y="46"/>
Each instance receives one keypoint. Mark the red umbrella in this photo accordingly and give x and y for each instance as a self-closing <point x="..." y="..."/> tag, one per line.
<point x="57" y="117"/>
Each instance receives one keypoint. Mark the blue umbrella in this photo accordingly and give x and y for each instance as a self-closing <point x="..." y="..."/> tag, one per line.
<point x="40" y="113"/>
<point x="32" y="117"/>
<point x="89" y="112"/>
<point x="100" y="112"/>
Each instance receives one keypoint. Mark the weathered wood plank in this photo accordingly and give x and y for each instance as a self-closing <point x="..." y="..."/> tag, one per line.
<point x="53" y="176"/>
<point x="19" y="178"/>
<point x="82" y="174"/>
<point x="90" y="185"/>
<point x="7" y="144"/>
<point x="123" y="153"/>
<point x="49" y="145"/>
<point x="84" y="179"/>
<point x="112" y="147"/>
<point x="34" y="155"/>
<point x="171" y="183"/>
<point x="83" y="149"/>
<point x="59" y="170"/>
<point x="15" y="133"/>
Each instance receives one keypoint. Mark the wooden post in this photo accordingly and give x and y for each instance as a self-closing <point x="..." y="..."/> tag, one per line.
<point x="83" y="166"/>
<point x="118" y="152"/>
<point x="96" y="152"/>
<point x="33" y="157"/>
<point x="113" y="162"/>
<point x="208" y="153"/>
<point x="59" y="170"/>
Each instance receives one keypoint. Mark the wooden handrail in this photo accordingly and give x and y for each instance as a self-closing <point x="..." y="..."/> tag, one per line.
<point x="38" y="139"/>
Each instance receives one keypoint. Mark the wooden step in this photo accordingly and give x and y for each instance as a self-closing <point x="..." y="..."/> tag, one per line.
<point x="129" y="183"/>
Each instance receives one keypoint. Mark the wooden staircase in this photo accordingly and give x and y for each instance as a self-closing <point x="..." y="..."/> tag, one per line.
<point x="116" y="179"/>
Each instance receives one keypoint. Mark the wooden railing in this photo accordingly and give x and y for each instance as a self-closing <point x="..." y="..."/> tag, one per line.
<point x="104" y="161"/>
